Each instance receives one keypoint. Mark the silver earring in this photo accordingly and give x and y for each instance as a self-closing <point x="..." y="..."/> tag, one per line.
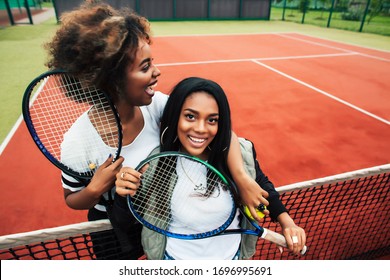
<point x="162" y="136"/>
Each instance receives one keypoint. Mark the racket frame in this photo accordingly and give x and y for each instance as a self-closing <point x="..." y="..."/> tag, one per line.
<point x="193" y="236"/>
<point x="259" y="231"/>
<point x="26" y="104"/>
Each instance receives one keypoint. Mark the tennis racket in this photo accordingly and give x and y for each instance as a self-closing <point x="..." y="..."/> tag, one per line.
<point x="76" y="126"/>
<point x="174" y="185"/>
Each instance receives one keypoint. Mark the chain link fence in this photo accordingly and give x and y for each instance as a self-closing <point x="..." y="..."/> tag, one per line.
<point x="370" y="16"/>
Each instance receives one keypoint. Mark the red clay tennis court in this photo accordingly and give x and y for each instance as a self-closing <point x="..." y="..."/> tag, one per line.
<point x="313" y="108"/>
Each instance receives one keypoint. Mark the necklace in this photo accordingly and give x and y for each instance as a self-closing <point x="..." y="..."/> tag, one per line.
<point x="198" y="187"/>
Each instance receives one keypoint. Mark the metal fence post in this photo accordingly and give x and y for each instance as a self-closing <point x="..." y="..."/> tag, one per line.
<point x="284" y="8"/>
<point x="26" y="5"/>
<point x="330" y="13"/>
<point x="10" y="16"/>
<point x="364" y="15"/>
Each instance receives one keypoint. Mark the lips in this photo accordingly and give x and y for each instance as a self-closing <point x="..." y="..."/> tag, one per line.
<point x="195" y="146"/>
<point x="197" y="143"/>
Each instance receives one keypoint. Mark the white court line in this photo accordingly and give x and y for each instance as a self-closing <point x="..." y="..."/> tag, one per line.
<point x="269" y="33"/>
<point x="251" y="59"/>
<point x="221" y="34"/>
<point x="334" y="41"/>
<point x="10" y="134"/>
<point x="332" y="47"/>
<point x="313" y="43"/>
<point x="18" y="122"/>
<point x="323" y="92"/>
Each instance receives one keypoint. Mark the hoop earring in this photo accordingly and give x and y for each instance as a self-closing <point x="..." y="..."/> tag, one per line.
<point x="162" y="136"/>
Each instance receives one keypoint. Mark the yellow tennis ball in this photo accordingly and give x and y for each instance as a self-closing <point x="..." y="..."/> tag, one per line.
<point x="92" y="166"/>
<point x="248" y="213"/>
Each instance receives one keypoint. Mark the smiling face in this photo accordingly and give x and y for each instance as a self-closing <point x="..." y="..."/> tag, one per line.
<point x="141" y="77"/>
<point x="198" y="124"/>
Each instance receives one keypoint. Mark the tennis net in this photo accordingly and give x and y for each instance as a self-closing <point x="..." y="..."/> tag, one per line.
<point x="345" y="217"/>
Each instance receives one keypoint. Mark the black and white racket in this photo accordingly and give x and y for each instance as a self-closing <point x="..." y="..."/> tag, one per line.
<point x="174" y="185"/>
<point x="76" y="126"/>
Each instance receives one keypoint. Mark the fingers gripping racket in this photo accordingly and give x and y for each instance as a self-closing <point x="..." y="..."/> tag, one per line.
<point x="175" y="186"/>
<point x="76" y="126"/>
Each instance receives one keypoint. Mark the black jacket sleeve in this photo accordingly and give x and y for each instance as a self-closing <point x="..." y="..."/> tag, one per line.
<point x="276" y="207"/>
<point x="126" y="227"/>
<point x="121" y="215"/>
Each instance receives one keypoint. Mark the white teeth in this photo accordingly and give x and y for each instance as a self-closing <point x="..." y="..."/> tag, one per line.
<point x="150" y="89"/>
<point x="197" y="140"/>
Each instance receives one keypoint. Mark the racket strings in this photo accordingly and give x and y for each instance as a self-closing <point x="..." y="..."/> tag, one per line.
<point x="153" y="198"/>
<point x="167" y="194"/>
<point x="100" y="114"/>
<point x="57" y="102"/>
<point x="44" y="108"/>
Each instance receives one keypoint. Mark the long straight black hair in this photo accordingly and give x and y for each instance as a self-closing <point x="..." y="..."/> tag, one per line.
<point x="219" y="147"/>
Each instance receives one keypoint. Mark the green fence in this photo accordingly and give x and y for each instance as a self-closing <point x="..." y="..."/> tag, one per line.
<point x="19" y="3"/>
<point x="185" y="9"/>
<point x="18" y="9"/>
<point x="370" y="16"/>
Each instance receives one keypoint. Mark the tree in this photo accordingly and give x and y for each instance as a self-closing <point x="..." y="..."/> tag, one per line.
<point x="303" y="5"/>
<point x="376" y="8"/>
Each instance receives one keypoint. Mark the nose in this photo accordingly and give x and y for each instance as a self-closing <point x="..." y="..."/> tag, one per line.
<point x="200" y="126"/>
<point x="156" y="71"/>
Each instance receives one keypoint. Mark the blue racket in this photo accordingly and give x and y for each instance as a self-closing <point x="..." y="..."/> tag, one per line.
<point x="74" y="124"/>
<point x="174" y="185"/>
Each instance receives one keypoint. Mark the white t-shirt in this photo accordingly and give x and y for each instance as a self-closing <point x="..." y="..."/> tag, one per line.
<point x="192" y="212"/>
<point x="133" y="154"/>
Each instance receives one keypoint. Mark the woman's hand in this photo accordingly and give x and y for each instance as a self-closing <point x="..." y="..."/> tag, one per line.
<point x="102" y="181"/>
<point x="127" y="181"/>
<point x="252" y="195"/>
<point x="104" y="177"/>
<point x="295" y="235"/>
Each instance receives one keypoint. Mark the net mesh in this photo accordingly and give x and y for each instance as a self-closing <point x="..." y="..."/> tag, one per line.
<point x="345" y="217"/>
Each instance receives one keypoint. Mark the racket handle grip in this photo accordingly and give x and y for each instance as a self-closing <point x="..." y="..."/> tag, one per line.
<point x="279" y="239"/>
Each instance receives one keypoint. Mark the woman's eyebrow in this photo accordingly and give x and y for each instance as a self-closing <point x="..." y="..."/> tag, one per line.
<point x="144" y="61"/>
<point x="197" y="112"/>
